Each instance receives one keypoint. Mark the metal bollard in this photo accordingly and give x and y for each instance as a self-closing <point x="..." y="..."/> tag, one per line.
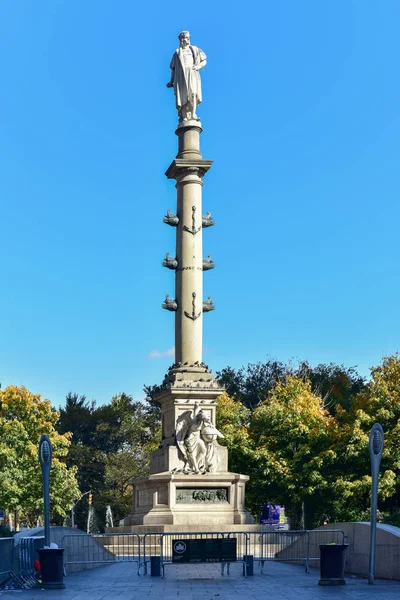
<point x="155" y="566"/>
<point x="249" y="560"/>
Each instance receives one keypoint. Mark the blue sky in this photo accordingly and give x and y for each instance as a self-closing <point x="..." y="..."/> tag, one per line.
<point x="301" y="115"/>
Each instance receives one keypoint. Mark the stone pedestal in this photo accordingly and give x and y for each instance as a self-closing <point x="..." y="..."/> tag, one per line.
<point x="209" y="501"/>
<point x="169" y="497"/>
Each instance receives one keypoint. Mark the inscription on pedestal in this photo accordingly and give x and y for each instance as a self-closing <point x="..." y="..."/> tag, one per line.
<point x="145" y="498"/>
<point x="202" y="496"/>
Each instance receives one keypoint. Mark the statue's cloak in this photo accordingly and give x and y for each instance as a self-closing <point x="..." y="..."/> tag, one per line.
<point x="186" y="81"/>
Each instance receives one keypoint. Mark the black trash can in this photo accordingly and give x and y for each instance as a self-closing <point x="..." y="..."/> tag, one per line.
<point x="155" y="566"/>
<point x="332" y="563"/>
<point x="52" y="568"/>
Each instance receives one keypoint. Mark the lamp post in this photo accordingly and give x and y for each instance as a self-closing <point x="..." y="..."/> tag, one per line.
<point x="376" y="439"/>
<point x="45" y="456"/>
<point x="51" y="559"/>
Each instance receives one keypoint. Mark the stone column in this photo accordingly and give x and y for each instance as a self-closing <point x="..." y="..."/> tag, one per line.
<point x="188" y="169"/>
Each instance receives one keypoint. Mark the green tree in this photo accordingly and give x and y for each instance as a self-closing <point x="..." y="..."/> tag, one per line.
<point x="336" y="384"/>
<point x="111" y="445"/>
<point x="138" y="434"/>
<point x="291" y="435"/>
<point x="24" y="418"/>
<point x="77" y="418"/>
<point x="351" y="479"/>
<point x="250" y="385"/>
<point x="232" y="420"/>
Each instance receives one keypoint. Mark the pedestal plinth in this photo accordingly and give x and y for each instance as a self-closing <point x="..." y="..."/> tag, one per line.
<point x="170" y="497"/>
<point x="193" y="501"/>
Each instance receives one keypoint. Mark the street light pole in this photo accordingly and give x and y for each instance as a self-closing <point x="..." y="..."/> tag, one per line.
<point x="376" y="439"/>
<point x="45" y="456"/>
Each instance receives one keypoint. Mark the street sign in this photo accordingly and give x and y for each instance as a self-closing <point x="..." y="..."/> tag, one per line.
<point x="2" y="514"/>
<point x="204" y="550"/>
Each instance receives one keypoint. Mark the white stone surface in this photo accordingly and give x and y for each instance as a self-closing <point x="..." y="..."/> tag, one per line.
<point x="185" y="65"/>
<point x="164" y="486"/>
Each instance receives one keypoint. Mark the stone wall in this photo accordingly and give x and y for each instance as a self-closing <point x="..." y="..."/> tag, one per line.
<point x="387" y="565"/>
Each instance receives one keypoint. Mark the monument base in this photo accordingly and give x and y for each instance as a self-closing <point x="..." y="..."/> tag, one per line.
<point x="206" y="502"/>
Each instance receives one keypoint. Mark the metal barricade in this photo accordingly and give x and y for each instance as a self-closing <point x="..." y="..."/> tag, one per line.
<point x="281" y="545"/>
<point x="242" y="541"/>
<point x="27" y="553"/>
<point x="6" y="559"/>
<point x="23" y="555"/>
<point x="264" y="546"/>
<point x="321" y="536"/>
<point x="104" y="548"/>
<point x="242" y="547"/>
<point x="254" y="543"/>
<point x="297" y="545"/>
<point x="151" y="546"/>
<point x="166" y="546"/>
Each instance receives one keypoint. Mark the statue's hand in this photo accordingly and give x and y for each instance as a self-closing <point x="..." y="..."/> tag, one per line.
<point x="195" y="68"/>
<point x="170" y="84"/>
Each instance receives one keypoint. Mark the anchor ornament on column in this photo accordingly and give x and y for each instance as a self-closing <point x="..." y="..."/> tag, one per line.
<point x="193" y="231"/>
<point x="193" y="316"/>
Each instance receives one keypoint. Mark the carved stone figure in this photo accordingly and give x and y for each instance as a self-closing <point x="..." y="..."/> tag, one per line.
<point x="207" y="220"/>
<point x="195" y="438"/>
<point x="208" y="305"/>
<point x="208" y="263"/>
<point x="185" y="78"/>
<point x="171" y="219"/>
<point x="170" y="262"/>
<point x="169" y="304"/>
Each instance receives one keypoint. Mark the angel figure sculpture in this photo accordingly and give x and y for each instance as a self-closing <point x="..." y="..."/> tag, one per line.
<point x="195" y="438"/>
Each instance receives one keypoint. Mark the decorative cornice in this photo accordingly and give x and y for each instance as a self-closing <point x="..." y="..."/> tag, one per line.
<point x="179" y="166"/>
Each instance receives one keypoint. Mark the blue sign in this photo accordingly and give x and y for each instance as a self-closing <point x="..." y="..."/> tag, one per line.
<point x="2" y="514"/>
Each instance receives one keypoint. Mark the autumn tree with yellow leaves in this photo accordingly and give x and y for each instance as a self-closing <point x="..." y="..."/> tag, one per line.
<point x="24" y="418"/>
<point x="313" y="458"/>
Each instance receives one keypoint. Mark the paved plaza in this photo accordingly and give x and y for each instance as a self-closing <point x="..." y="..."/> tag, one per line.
<point x="204" y="582"/>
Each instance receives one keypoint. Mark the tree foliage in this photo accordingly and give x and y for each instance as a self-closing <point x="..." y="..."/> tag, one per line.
<point x="337" y="384"/>
<point x="24" y="418"/>
<point x="111" y="446"/>
<point x="305" y="445"/>
<point x="378" y="402"/>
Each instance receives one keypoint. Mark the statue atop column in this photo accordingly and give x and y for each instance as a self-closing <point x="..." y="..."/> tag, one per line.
<point x="185" y="78"/>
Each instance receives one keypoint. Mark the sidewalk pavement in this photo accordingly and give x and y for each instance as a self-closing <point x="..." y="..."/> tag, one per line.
<point x="204" y="582"/>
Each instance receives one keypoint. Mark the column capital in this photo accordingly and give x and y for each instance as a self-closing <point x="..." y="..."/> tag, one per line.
<point x="179" y="166"/>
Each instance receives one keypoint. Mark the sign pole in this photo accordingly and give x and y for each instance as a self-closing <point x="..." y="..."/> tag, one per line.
<point x="45" y="456"/>
<point x="376" y="439"/>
